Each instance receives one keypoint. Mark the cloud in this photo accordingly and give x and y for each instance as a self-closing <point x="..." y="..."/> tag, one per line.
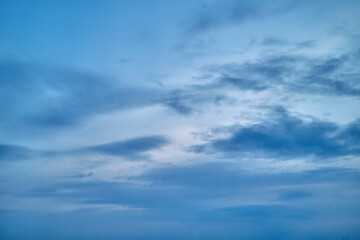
<point x="13" y="152"/>
<point x="211" y="185"/>
<point x="273" y="41"/>
<point x="244" y="84"/>
<point x="277" y="43"/>
<point x="176" y="103"/>
<point x="291" y="73"/>
<point x="327" y="76"/>
<point x="306" y="44"/>
<point x="45" y="97"/>
<point x="222" y="176"/>
<point x="257" y="76"/>
<point x="351" y="133"/>
<point x="129" y="147"/>
<point x="192" y="98"/>
<point x="55" y="205"/>
<point x="285" y="136"/>
<point x="327" y="67"/>
<point x="327" y="86"/>
<point x="121" y="144"/>
<point x="221" y="193"/>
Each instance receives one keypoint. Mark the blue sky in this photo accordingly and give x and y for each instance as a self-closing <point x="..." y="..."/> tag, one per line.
<point x="180" y="119"/>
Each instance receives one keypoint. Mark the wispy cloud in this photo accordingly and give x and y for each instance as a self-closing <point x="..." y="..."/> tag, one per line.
<point x="52" y="97"/>
<point x="129" y="147"/>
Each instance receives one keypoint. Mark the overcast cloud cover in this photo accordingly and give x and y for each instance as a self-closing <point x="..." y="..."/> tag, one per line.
<point x="200" y="119"/>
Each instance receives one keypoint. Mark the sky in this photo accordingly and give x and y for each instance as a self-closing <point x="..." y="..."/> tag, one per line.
<point x="165" y="119"/>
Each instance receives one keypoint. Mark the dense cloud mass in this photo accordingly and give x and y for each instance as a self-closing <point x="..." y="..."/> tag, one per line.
<point x="180" y="120"/>
<point x="286" y="136"/>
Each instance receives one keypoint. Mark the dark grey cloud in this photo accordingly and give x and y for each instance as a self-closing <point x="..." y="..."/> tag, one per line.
<point x="306" y="44"/>
<point x="45" y="97"/>
<point x="274" y="41"/>
<point x="327" y="86"/>
<point x="222" y="176"/>
<point x="329" y="76"/>
<point x="351" y="133"/>
<point x="178" y="104"/>
<point x="256" y="76"/>
<point x="192" y="98"/>
<point x="291" y="73"/>
<point x="326" y="67"/>
<point x="130" y="146"/>
<point x="286" y="136"/>
<point x="42" y="97"/>
<point x="183" y="193"/>
<point x="217" y="193"/>
<point x="244" y="84"/>
<point x="14" y="152"/>
<point x="39" y="98"/>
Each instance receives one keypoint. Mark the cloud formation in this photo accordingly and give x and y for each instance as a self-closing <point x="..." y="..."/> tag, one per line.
<point x="13" y="152"/>
<point x="186" y="119"/>
<point x="285" y="136"/>
<point x="293" y="73"/>
<point x="51" y="97"/>
<point x="130" y="147"/>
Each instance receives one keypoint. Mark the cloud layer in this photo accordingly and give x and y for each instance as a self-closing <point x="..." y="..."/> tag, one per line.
<point x="286" y="136"/>
<point x="179" y="120"/>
